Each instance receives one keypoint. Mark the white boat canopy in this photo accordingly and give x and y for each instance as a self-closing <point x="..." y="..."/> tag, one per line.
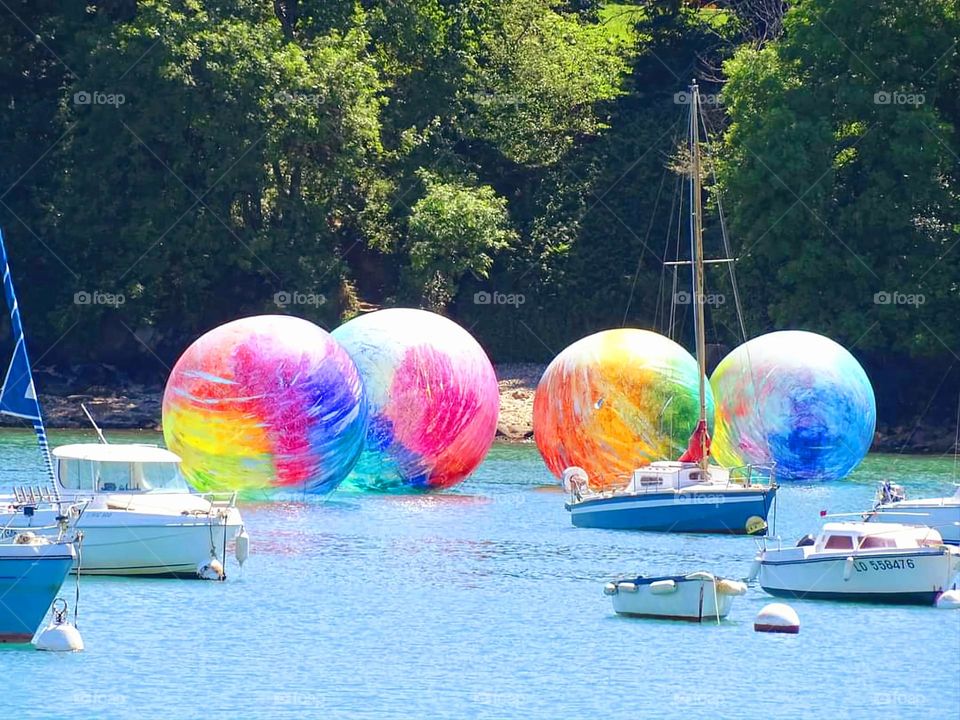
<point x="124" y="453"/>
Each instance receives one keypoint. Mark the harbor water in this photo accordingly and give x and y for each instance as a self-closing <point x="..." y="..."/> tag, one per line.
<point x="483" y="602"/>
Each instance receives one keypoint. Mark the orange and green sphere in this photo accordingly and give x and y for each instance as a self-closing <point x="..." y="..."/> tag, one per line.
<point x="615" y="401"/>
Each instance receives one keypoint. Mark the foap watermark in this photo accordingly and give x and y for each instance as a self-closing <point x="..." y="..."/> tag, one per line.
<point x="498" y="298"/>
<point x="298" y="699"/>
<point x="899" y="699"/>
<point x="96" y="297"/>
<point x="701" y="499"/>
<point x="697" y="699"/>
<point x="98" y="699"/>
<point x="685" y="97"/>
<point x="286" y="298"/>
<point x="895" y="97"/>
<point x="300" y="98"/>
<point x="97" y="97"/>
<point x="685" y="298"/>
<point x="499" y="699"/>
<point x="885" y="297"/>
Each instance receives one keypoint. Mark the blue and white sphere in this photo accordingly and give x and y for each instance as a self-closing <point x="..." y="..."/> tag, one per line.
<point x="798" y="399"/>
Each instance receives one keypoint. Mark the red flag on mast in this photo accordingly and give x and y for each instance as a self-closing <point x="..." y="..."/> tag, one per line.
<point x="699" y="445"/>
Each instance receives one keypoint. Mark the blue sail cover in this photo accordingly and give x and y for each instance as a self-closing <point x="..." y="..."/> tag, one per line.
<point x="18" y="397"/>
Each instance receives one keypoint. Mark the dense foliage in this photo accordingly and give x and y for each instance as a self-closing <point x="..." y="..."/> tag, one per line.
<point x="169" y="165"/>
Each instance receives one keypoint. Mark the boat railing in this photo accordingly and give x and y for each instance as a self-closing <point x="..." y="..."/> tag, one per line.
<point x="220" y="499"/>
<point x="753" y="474"/>
<point x="34" y="494"/>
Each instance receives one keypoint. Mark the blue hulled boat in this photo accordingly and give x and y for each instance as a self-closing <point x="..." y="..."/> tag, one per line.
<point x="690" y="494"/>
<point x="35" y="562"/>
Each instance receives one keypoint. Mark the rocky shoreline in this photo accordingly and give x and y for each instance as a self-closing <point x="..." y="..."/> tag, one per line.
<point x="126" y="405"/>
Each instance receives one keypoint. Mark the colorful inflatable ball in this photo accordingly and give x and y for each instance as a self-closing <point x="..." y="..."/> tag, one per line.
<point x="262" y="403"/>
<point x="615" y="401"/>
<point x="433" y="399"/>
<point x="795" y="398"/>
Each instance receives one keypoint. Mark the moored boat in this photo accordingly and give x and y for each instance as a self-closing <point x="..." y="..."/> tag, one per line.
<point x="690" y="494"/>
<point x="942" y="514"/>
<point x="33" y="567"/>
<point x="859" y="561"/>
<point x="138" y="515"/>
<point x="695" y="597"/>
<point x="141" y="517"/>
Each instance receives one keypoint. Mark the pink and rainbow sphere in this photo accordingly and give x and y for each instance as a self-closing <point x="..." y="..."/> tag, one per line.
<point x="615" y="401"/>
<point x="433" y="399"/>
<point x="265" y="403"/>
<point x="797" y="399"/>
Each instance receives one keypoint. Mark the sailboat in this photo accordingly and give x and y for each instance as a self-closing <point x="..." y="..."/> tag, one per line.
<point x="689" y="494"/>
<point x="33" y="564"/>
<point x="137" y="514"/>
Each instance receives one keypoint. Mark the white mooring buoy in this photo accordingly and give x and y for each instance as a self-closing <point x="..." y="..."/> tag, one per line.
<point x="60" y="635"/>
<point x="949" y="600"/>
<point x="777" y="618"/>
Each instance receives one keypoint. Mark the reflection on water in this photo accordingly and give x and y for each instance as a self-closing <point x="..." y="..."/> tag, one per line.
<point x="481" y="603"/>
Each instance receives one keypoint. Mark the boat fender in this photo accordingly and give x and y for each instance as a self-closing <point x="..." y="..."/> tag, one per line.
<point x="754" y="569"/>
<point x="610" y="589"/>
<point x="242" y="546"/>
<point x="574" y="479"/>
<point x="663" y="587"/>
<point x="731" y="587"/>
<point x="777" y="618"/>
<point x="627" y="587"/>
<point x="212" y="569"/>
<point x="949" y="600"/>
<point x="848" y="568"/>
<point x="59" y="635"/>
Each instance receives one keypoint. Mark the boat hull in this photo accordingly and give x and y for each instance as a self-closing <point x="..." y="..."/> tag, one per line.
<point x="912" y="578"/>
<point x="712" y="511"/>
<point x="146" y="544"/>
<point x="30" y="578"/>
<point x="691" y="600"/>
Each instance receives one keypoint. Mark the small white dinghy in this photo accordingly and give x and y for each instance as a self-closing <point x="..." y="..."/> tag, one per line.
<point x="694" y="597"/>
<point x="867" y="562"/>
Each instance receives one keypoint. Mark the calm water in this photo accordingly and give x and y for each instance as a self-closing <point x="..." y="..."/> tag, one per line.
<point x="483" y="603"/>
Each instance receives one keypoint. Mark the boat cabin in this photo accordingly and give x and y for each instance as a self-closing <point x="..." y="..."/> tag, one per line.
<point x="102" y="468"/>
<point x="674" y="475"/>
<point x="846" y="537"/>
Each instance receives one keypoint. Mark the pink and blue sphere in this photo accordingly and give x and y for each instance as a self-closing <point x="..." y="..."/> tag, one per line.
<point x="795" y="398"/>
<point x="265" y="403"/>
<point x="433" y="400"/>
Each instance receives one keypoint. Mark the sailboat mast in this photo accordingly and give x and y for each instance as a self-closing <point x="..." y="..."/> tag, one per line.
<point x="696" y="247"/>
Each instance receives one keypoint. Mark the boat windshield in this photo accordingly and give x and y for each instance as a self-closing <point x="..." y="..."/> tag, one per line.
<point x="96" y="476"/>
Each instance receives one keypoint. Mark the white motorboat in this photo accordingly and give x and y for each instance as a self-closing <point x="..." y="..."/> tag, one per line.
<point x="141" y="517"/>
<point x="695" y="597"/>
<point x="137" y="514"/>
<point x="942" y="514"/>
<point x="871" y="562"/>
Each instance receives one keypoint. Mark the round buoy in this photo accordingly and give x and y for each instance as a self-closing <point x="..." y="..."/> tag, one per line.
<point x="949" y="600"/>
<point x="59" y="635"/>
<point x="777" y="618"/>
